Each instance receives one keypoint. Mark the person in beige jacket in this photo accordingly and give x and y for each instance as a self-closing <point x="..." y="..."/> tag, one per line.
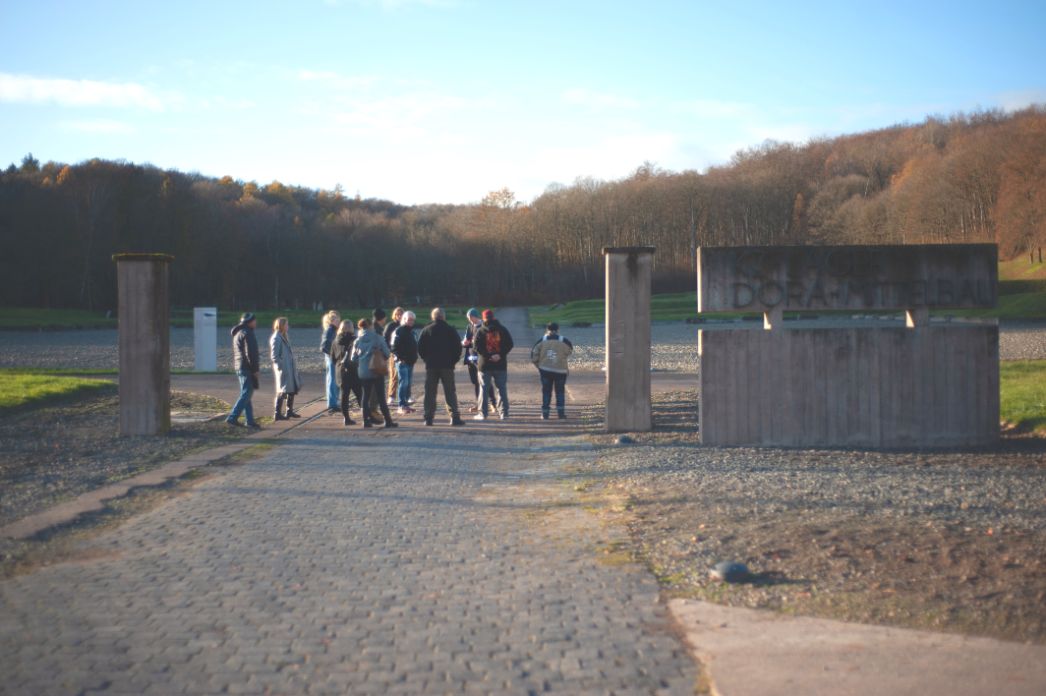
<point x="550" y="356"/>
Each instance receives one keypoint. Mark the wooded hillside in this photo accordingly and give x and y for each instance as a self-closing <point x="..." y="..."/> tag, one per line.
<point x="980" y="177"/>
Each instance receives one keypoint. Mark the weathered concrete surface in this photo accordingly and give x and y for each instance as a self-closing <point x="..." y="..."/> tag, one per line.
<point x="931" y="386"/>
<point x="145" y="343"/>
<point x="628" y="273"/>
<point x="756" y="653"/>
<point x="815" y="278"/>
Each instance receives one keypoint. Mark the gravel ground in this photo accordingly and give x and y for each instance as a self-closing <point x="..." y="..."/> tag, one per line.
<point x="674" y="347"/>
<point x="55" y="453"/>
<point x="936" y="540"/>
<point x="96" y="349"/>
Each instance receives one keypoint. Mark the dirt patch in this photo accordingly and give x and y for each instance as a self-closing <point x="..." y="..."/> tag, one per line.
<point x="948" y="541"/>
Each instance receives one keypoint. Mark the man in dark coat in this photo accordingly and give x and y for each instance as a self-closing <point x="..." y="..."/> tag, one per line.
<point x="492" y="343"/>
<point x="246" y="365"/>
<point x="440" y="347"/>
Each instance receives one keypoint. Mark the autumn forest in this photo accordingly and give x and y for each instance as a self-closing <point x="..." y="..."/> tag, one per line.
<point x="967" y="178"/>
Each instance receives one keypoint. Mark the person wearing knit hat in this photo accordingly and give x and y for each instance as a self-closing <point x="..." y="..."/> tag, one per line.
<point x="246" y="364"/>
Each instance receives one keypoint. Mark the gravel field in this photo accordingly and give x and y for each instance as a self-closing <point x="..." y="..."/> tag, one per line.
<point x="674" y="349"/>
<point x="936" y="540"/>
<point x="55" y="453"/>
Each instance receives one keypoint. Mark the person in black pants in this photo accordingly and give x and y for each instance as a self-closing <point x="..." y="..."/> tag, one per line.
<point x="363" y="348"/>
<point x="348" y="371"/>
<point x="440" y="348"/>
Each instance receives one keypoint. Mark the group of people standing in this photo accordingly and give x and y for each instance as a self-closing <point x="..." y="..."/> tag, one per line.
<point x="359" y="359"/>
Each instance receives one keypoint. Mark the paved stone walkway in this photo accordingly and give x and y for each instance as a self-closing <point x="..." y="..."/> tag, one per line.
<point x="408" y="561"/>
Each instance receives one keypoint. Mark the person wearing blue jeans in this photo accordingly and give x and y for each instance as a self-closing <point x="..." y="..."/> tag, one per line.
<point x="405" y="348"/>
<point x="331" y="321"/>
<point x="553" y="381"/>
<point x="245" y="362"/>
<point x="550" y="356"/>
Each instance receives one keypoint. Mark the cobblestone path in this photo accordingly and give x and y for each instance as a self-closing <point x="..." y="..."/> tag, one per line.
<point x="413" y="561"/>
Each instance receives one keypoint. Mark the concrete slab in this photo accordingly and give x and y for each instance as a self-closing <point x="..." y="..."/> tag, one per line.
<point x="747" y="652"/>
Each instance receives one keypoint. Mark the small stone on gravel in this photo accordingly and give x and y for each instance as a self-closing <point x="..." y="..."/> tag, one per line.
<point x="730" y="571"/>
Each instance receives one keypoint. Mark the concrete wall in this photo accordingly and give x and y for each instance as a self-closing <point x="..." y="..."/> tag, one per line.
<point x="145" y="343"/>
<point x="895" y="387"/>
<point x="628" y="272"/>
<point x="817" y="278"/>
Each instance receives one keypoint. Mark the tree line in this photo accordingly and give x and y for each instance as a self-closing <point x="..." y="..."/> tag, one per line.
<point x="967" y="178"/>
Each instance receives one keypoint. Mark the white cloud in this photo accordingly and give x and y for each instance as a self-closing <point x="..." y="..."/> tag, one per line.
<point x="714" y="108"/>
<point x="1014" y="101"/>
<point x="24" y="89"/>
<point x="335" y="80"/>
<point x="99" y="127"/>
<point x="598" y="100"/>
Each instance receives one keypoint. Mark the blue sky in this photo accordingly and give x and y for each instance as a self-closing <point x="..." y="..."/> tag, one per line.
<point x="444" y="100"/>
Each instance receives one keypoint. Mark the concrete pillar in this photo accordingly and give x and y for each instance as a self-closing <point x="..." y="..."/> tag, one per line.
<point x="628" y="338"/>
<point x="145" y="343"/>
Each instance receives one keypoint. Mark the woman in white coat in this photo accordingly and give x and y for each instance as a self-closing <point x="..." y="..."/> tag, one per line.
<point x="284" y="371"/>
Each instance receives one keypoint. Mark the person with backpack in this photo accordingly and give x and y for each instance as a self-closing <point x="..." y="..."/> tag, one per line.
<point x="440" y="348"/>
<point x="377" y="322"/>
<point x="368" y="345"/>
<point x="348" y="371"/>
<point x="550" y="356"/>
<point x="405" y="348"/>
<point x="330" y="327"/>
<point x="493" y="344"/>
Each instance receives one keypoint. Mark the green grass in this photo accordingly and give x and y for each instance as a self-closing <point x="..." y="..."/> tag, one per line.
<point x="1025" y="299"/>
<point x="1022" y="268"/>
<point x="1022" y="394"/>
<point x="31" y="319"/>
<point x="20" y="389"/>
<point x="668" y="307"/>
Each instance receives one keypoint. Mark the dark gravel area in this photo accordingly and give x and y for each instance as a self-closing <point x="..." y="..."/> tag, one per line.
<point x="54" y="453"/>
<point x="96" y="349"/>
<point x="937" y="540"/>
<point x="674" y="347"/>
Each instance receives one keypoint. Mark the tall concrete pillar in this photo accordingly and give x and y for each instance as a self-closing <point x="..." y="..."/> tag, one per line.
<point x="145" y="343"/>
<point x="628" y="338"/>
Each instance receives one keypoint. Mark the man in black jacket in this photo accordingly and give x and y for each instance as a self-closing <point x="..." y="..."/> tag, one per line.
<point x="493" y="343"/>
<point x="246" y="365"/>
<point x="440" y="347"/>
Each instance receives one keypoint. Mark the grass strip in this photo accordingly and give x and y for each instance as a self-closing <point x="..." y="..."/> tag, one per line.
<point x="22" y="390"/>
<point x="1022" y="394"/>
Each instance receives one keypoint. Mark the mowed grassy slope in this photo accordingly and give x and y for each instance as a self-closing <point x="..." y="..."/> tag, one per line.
<point x="22" y="389"/>
<point x="24" y="318"/>
<point x="1022" y="394"/>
